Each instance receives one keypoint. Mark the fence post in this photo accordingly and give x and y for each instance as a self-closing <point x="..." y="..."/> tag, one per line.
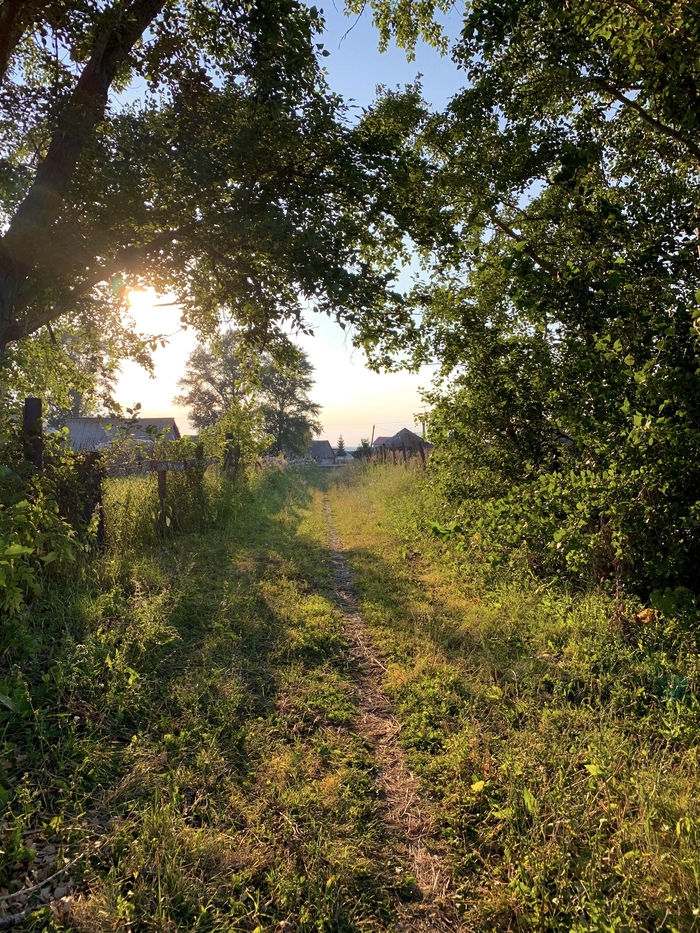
<point x="91" y="474"/>
<point x="162" y="494"/>
<point x="228" y="453"/>
<point x="403" y="450"/>
<point x="31" y="431"/>
<point x="422" y="453"/>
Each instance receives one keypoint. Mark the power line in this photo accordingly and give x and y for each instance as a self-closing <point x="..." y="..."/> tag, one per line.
<point x="360" y="424"/>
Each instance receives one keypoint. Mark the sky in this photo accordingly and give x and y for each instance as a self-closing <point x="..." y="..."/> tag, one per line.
<point x="354" y="400"/>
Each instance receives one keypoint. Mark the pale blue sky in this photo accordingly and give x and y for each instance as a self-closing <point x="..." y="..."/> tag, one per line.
<point x="353" y="398"/>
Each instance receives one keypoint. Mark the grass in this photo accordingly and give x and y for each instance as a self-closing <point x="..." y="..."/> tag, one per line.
<point x="181" y="724"/>
<point x="561" y="753"/>
<point x="181" y="727"/>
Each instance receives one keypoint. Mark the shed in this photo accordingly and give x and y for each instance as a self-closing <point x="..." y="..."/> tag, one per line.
<point x="405" y="439"/>
<point x="322" y="453"/>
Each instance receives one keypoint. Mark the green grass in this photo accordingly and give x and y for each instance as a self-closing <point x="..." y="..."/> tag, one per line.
<point x="182" y="725"/>
<point x="183" y="729"/>
<point x="562" y="757"/>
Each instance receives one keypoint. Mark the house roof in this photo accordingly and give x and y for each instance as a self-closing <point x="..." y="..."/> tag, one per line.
<point x="380" y="441"/>
<point x="321" y="450"/>
<point x="94" y="433"/>
<point x="405" y="438"/>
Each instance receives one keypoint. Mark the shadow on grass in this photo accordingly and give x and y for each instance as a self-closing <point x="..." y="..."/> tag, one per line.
<point x="167" y="716"/>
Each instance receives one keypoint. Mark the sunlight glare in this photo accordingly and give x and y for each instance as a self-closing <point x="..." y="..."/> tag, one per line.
<point x="141" y="300"/>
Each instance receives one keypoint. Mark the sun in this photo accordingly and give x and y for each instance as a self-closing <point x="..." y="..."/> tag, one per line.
<point x="140" y="299"/>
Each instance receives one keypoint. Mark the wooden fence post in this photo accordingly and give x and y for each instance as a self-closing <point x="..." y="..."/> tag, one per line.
<point x="31" y="431"/>
<point x="393" y="454"/>
<point x="162" y="495"/>
<point x="403" y="450"/>
<point x="422" y="453"/>
<point x="91" y="474"/>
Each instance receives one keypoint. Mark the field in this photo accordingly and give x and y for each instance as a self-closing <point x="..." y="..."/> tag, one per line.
<point x="215" y="732"/>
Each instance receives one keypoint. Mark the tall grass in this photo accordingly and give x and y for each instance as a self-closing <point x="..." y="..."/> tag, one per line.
<point x="195" y="502"/>
<point x="559" y="741"/>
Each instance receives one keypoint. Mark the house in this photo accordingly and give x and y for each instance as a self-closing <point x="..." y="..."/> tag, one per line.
<point x="96" y="433"/>
<point x="403" y="440"/>
<point x="322" y="453"/>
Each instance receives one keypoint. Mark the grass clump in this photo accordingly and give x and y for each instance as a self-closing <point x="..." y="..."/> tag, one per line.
<point x="561" y="749"/>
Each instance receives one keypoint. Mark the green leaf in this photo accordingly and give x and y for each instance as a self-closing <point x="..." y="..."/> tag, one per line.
<point x="7" y="701"/>
<point x="17" y="550"/>
<point x="530" y="802"/>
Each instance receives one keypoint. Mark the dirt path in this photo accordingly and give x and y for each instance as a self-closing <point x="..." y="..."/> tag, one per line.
<point x="408" y="818"/>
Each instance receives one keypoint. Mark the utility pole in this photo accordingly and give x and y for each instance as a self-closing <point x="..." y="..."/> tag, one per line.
<point x="372" y="441"/>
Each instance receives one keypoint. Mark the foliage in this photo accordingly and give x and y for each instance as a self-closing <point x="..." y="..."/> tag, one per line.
<point x="42" y="529"/>
<point x="235" y="184"/>
<point x="240" y="430"/>
<point x="290" y="416"/>
<point x="219" y="377"/>
<point x="183" y="727"/>
<point x="340" y="447"/>
<point x="562" y="304"/>
<point x="179" y="720"/>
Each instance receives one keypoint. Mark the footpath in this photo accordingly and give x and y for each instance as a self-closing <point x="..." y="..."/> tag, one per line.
<point x="319" y="717"/>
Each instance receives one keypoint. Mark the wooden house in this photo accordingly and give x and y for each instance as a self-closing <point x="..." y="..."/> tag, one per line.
<point x="97" y="433"/>
<point x="322" y="453"/>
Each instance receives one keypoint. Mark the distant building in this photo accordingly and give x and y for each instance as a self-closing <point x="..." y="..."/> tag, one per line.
<point x="96" y="433"/>
<point x="322" y="453"/>
<point x="403" y="439"/>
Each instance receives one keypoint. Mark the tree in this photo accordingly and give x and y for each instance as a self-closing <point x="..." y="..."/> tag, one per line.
<point x="290" y="415"/>
<point x="235" y="184"/>
<point x="563" y="286"/>
<point x="219" y="376"/>
<point x="340" y="449"/>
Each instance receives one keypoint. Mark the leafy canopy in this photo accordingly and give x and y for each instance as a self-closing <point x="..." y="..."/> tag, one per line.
<point x="290" y="415"/>
<point x="220" y="375"/>
<point x="188" y="145"/>
<point x="561" y="291"/>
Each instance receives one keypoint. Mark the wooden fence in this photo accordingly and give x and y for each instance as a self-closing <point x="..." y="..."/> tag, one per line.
<point x="92" y="470"/>
<point x="381" y="454"/>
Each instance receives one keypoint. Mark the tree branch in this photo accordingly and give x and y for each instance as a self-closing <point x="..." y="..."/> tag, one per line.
<point x="14" y="18"/>
<point x="30" y="228"/>
<point x="124" y="261"/>
<point x="529" y="250"/>
<point x="647" y="117"/>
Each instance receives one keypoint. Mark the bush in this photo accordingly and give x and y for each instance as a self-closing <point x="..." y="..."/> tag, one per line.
<point x="41" y="530"/>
